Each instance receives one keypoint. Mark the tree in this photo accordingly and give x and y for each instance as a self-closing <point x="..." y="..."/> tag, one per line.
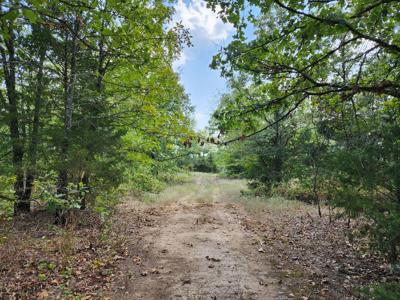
<point x="88" y="89"/>
<point x="338" y="59"/>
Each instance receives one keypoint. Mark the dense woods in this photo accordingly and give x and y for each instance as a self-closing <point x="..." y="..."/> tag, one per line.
<point x="88" y="99"/>
<point x="91" y="110"/>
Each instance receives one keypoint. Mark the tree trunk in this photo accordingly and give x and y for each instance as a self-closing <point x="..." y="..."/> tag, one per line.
<point x="330" y="213"/>
<point x="69" y="85"/>
<point x="31" y="173"/>
<point x="9" y="69"/>
<point x="101" y="71"/>
<point x="86" y="187"/>
<point x="315" y="188"/>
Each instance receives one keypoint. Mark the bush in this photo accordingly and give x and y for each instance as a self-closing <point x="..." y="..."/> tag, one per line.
<point x="145" y="182"/>
<point x="154" y="179"/>
<point x="293" y="189"/>
<point x="6" y="196"/>
<point x="174" y="177"/>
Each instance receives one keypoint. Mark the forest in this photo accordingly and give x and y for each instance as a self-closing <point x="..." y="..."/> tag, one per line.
<point x="300" y="160"/>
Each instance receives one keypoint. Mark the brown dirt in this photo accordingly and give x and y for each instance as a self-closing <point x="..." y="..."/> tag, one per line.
<point x="207" y="240"/>
<point x="190" y="250"/>
<point x="200" y="240"/>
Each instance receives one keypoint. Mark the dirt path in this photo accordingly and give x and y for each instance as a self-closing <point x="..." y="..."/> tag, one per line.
<point x="195" y="248"/>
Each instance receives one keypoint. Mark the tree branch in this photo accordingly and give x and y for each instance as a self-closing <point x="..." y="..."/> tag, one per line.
<point x="242" y="137"/>
<point x="341" y="22"/>
<point x="371" y="7"/>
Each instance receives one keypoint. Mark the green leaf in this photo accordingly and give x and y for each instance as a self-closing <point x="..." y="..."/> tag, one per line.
<point x="30" y="15"/>
<point x="11" y="15"/>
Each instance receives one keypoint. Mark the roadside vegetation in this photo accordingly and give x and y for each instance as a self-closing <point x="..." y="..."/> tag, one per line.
<point x="90" y="110"/>
<point x="307" y="138"/>
<point x="313" y="109"/>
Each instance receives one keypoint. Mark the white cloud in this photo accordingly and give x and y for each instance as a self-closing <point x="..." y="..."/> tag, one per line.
<point x="201" y="21"/>
<point x="180" y="61"/>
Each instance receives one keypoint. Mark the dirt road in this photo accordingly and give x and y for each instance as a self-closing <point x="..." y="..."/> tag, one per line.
<point x="191" y="245"/>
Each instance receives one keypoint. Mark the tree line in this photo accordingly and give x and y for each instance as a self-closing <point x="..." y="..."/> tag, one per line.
<point x="88" y="98"/>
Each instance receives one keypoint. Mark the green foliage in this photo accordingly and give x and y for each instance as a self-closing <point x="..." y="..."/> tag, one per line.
<point x="145" y="181"/>
<point x="204" y="163"/>
<point x="202" y="155"/>
<point x="232" y="162"/>
<point x="328" y="158"/>
<point x="384" y="291"/>
<point x="314" y="99"/>
<point x="6" y="196"/>
<point x="96" y="103"/>
<point x="294" y="189"/>
<point x="174" y="176"/>
<point x="106" y="201"/>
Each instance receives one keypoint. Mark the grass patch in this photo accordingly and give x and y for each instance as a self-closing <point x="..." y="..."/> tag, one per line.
<point x="210" y="188"/>
<point x="198" y="187"/>
<point x="382" y="291"/>
<point x="259" y="204"/>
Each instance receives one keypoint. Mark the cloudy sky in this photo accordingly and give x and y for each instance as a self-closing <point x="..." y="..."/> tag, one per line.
<point x="209" y="34"/>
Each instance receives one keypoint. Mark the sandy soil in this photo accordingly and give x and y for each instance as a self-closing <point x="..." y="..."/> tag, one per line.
<point x="191" y="249"/>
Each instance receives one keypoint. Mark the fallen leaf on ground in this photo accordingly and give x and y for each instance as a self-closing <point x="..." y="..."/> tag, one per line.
<point x="43" y="294"/>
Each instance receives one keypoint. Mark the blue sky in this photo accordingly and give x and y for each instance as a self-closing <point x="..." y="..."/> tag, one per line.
<point x="203" y="85"/>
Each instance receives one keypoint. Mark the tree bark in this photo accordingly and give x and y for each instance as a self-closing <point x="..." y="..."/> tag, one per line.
<point x="69" y="85"/>
<point x="32" y="151"/>
<point x="70" y="57"/>
<point x="9" y="69"/>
